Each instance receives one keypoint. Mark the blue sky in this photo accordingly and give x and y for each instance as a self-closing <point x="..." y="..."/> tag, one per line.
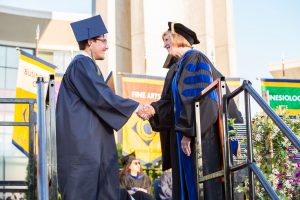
<point x="264" y="30"/>
<point x="78" y="6"/>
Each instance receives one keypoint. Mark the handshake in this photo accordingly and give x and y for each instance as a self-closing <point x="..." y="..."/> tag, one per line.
<point x="145" y="111"/>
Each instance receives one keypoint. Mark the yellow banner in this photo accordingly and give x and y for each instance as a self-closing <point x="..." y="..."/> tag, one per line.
<point x="30" y="67"/>
<point x="137" y="134"/>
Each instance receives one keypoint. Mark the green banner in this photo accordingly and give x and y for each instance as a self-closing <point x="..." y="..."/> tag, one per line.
<point x="282" y="93"/>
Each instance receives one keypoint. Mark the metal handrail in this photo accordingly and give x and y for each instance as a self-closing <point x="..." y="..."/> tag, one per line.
<point x="30" y="184"/>
<point x="252" y="167"/>
<point x="17" y="101"/>
<point x="51" y="125"/>
<point x="269" y="111"/>
<point x="13" y="183"/>
<point x="42" y="142"/>
<point x="263" y="180"/>
<point x="276" y="119"/>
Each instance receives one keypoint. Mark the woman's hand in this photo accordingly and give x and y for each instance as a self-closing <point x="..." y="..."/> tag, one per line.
<point x="186" y="145"/>
<point x="134" y="189"/>
<point x="145" y="111"/>
<point x="143" y="190"/>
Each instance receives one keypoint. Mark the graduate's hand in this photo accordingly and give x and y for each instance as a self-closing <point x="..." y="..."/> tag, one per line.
<point x="145" y="112"/>
<point x="186" y="145"/>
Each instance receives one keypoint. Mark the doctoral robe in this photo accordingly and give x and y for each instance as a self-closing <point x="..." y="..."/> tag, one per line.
<point x="184" y="81"/>
<point x="87" y="113"/>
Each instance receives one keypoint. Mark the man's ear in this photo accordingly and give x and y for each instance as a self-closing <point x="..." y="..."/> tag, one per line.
<point x="89" y="42"/>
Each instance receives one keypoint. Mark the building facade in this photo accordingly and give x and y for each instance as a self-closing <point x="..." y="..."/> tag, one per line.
<point x="289" y="69"/>
<point x="135" y="46"/>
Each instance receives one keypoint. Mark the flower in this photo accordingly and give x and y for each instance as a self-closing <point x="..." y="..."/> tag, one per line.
<point x="287" y="184"/>
<point x="274" y="154"/>
<point x="279" y="187"/>
<point x="258" y="137"/>
<point x="275" y="171"/>
<point x="294" y="156"/>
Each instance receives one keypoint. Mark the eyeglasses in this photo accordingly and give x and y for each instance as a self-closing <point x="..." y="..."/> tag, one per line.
<point x="102" y="40"/>
<point x="136" y="163"/>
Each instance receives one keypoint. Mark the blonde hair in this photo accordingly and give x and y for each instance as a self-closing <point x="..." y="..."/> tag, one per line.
<point x="176" y="39"/>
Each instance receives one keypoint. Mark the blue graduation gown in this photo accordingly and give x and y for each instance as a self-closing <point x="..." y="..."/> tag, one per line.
<point x="87" y="112"/>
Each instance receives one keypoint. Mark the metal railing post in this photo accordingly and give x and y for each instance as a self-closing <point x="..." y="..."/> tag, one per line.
<point x="198" y="145"/>
<point x="250" y="163"/>
<point x="42" y="143"/>
<point x="226" y="151"/>
<point x="249" y="145"/>
<point x="14" y="185"/>
<point x="32" y="153"/>
<point x="52" y="142"/>
<point x="272" y="114"/>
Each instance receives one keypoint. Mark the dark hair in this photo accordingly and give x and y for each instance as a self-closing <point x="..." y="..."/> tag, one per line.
<point x="82" y="44"/>
<point x="126" y="171"/>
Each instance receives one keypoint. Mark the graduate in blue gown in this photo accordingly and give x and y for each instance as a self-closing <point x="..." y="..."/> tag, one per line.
<point x="173" y="116"/>
<point x="87" y="113"/>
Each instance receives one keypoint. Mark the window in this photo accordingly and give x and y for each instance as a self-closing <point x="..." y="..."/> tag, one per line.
<point x="2" y="77"/>
<point x="11" y="78"/>
<point x="9" y="61"/>
<point x="2" y="56"/>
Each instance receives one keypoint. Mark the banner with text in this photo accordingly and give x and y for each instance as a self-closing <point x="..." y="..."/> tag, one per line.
<point x="283" y="93"/>
<point x="137" y="134"/>
<point x="30" y="67"/>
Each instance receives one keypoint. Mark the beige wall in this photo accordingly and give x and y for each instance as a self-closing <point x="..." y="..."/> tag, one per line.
<point x="291" y="69"/>
<point x="20" y="30"/>
<point x="224" y="37"/>
<point x="145" y="21"/>
<point x="135" y="28"/>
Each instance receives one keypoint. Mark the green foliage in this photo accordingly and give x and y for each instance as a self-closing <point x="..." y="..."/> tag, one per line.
<point x="28" y="179"/>
<point x="119" y="149"/>
<point x="231" y="123"/>
<point x="154" y="171"/>
<point x="274" y="155"/>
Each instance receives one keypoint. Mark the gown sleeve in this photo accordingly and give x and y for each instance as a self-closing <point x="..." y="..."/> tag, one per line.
<point x="163" y="118"/>
<point x="147" y="184"/>
<point x="124" y="182"/>
<point x="109" y="107"/>
<point x="196" y="75"/>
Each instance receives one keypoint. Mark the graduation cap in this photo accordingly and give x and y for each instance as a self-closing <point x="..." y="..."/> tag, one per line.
<point x="88" y="28"/>
<point x="184" y="31"/>
<point x="128" y="159"/>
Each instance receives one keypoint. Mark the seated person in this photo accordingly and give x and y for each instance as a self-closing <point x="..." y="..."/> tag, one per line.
<point x="165" y="186"/>
<point x="137" y="184"/>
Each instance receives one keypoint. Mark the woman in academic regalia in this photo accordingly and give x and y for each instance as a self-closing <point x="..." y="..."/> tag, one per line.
<point x="173" y="115"/>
